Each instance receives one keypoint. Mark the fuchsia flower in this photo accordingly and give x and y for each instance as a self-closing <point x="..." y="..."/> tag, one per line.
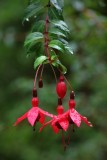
<point x="58" y="122"/>
<point x="34" y="115"/>
<point x="73" y="115"/>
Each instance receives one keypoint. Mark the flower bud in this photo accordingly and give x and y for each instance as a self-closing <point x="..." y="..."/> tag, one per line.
<point x="40" y="84"/>
<point x="61" y="88"/>
<point x="72" y="95"/>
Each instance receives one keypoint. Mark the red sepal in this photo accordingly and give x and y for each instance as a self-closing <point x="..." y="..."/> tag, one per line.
<point x="75" y="116"/>
<point x="33" y="115"/>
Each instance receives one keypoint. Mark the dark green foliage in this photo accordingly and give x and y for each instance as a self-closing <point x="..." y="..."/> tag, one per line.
<point x="54" y="27"/>
<point x="31" y="40"/>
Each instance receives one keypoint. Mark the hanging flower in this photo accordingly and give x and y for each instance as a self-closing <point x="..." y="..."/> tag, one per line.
<point x="73" y="115"/>
<point x="34" y="115"/>
<point x="58" y="122"/>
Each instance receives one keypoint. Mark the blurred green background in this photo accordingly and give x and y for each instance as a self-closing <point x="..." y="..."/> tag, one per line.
<point x="87" y="72"/>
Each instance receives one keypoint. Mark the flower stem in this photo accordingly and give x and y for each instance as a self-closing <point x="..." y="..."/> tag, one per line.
<point x="54" y="72"/>
<point x="41" y="72"/>
<point x="37" y="71"/>
<point x="68" y="83"/>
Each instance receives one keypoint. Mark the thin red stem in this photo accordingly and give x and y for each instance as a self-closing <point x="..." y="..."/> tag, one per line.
<point x="54" y="72"/>
<point x="37" y="71"/>
<point x="68" y="83"/>
<point x="41" y="72"/>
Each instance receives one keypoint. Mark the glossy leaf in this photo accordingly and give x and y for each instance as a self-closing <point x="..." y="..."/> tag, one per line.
<point x="54" y="57"/>
<point x="57" y="32"/>
<point x="56" y="4"/>
<point x="61" y="3"/>
<point x="39" y="26"/>
<point x="68" y="49"/>
<point x="33" y="38"/>
<point x="32" y="10"/>
<point x="60" y="66"/>
<point x="37" y="48"/>
<point x="39" y="61"/>
<point x="60" y="24"/>
<point x="56" y="44"/>
<point x="54" y="14"/>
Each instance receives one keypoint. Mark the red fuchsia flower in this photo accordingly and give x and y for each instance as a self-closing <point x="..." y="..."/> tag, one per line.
<point x="58" y="122"/>
<point x="34" y="115"/>
<point x="61" y="88"/>
<point x="73" y="116"/>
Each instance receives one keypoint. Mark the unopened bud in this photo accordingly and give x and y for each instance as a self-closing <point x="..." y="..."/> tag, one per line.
<point x="40" y="84"/>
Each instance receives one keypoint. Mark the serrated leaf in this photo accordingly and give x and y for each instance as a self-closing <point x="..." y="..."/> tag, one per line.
<point x="56" y="44"/>
<point x="32" y="39"/>
<point x="60" y="24"/>
<point x="57" y="32"/>
<point x="32" y="10"/>
<point x="54" y="14"/>
<point x="68" y="49"/>
<point x="39" y="61"/>
<point x="38" y="26"/>
<point x="56" y="4"/>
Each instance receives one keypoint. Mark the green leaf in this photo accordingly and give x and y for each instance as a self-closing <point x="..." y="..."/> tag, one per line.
<point x="39" y="61"/>
<point x="32" y="39"/>
<point x="54" y="57"/>
<point x="56" y="44"/>
<point x="63" y="41"/>
<point x="54" y="14"/>
<point x="32" y="10"/>
<point x="39" y="26"/>
<point x="68" y="49"/>
<point x="60" y="24"/>
<point x="60" y="66"/>
<point x="36" y="49"/>
<point x="61" y="3"/>
<point x="57" y="32"/>
<point x="56" y="4"/>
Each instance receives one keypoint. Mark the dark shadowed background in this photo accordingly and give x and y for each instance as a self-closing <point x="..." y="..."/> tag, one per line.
<point x="87" y="73"/>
